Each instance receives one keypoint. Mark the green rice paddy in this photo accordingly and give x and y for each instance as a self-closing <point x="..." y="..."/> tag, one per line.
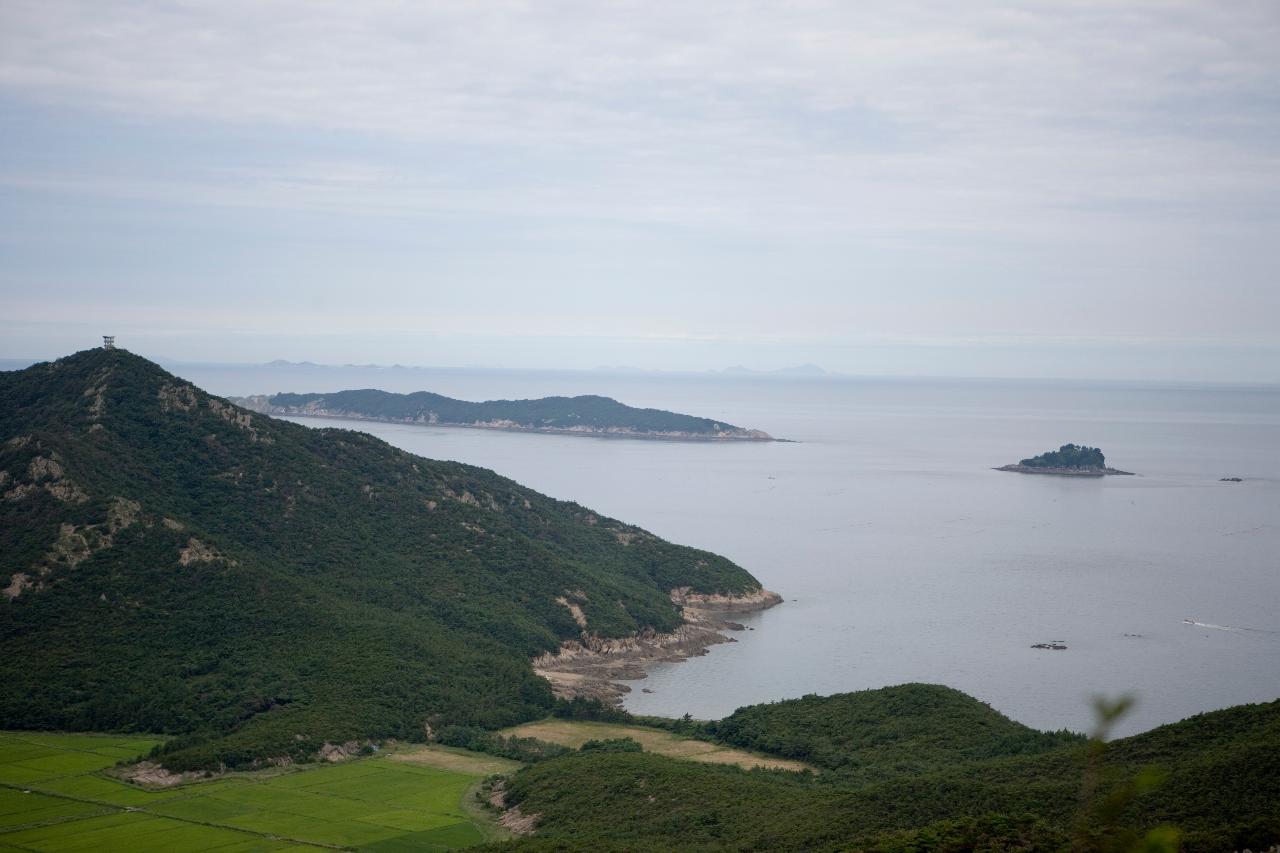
<point x="55" y="798"/>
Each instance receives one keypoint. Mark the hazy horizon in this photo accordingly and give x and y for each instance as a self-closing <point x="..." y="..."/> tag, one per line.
<point x="356" y="371"/>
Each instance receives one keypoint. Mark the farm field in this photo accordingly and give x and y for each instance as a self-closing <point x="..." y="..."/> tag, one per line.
<point x="55" y="798"/>
<point x="574" y="733"/>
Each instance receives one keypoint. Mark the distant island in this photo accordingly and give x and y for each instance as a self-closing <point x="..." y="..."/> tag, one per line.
<point x="1069" y="460"/>
<point x="802" y="370"/>
<point x="584" y="415"/>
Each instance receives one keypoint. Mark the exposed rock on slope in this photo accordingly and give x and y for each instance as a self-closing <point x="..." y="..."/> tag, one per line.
<point x="173" y="563"/>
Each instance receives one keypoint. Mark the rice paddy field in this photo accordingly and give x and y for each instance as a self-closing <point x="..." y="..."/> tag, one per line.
<point x="55" y="798"/>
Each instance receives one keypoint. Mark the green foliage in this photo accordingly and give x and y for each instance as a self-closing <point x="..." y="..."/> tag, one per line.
<point x="582" y="708"/>
<point x="1101" y="826"/>
<point x="994" y="833"/>
<point x="588" y="412"/>
<point x="873" y="735"/>
<point x="1219" y="784"/>
<point x="334" y="588"/>
<point x="54" y="795"/>
<point x="617" y="744"/>
<point x="526" y="749"/>
<point x="1068" y="456"/>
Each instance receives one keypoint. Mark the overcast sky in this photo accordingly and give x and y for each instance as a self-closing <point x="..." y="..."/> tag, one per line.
<point x="1047" y="188"/>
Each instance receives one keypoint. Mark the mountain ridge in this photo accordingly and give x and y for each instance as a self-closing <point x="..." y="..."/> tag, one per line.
<point x="177" y="564"/>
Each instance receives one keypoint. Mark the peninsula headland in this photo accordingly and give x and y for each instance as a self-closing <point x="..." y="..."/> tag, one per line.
<point x="589" y="415"/>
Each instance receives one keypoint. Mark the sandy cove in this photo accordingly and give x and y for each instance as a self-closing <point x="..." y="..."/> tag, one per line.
<point x="591" y="667"/>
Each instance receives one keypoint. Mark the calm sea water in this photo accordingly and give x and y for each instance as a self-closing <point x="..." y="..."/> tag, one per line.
<point x="902" y="556"/>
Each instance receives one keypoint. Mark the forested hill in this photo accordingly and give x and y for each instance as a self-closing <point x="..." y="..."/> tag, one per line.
<point x="1068" y="456"/>
<point x="1070" y="459"/>
<point x="591" y="415"/>
<point x="174" y="563"/>
<point x="874" y="735"/>
<point x="917" y="768"/>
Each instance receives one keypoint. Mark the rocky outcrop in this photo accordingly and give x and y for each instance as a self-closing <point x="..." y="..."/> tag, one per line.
<point x="149" y="774"/>
<point x="592" y="667"/>
<point x="75" y="544"/>
<point x="196" y="551"/>
<point x="761" y="599"/>
<point x="234" y="415"/>
<point x="334" y="752"/>
<point x="177" y="397"/>
<point x="43" y="472"/>
<point x="512" y="819"/>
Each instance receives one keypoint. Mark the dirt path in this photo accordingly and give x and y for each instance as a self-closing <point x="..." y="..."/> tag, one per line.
<point x="574" y="734"/>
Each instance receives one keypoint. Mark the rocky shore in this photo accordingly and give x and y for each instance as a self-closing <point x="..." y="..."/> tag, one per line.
<point x="1063" y="472"/>
<point x="591" y="666"/>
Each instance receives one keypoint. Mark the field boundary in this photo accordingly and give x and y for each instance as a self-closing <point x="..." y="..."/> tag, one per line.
<point x="574" y="733"/>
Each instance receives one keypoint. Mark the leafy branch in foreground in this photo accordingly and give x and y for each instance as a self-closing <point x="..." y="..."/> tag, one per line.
<point x="1101" y="826"/>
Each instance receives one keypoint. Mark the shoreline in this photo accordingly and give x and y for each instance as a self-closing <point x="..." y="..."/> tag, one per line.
<point x="592" y="667"/>
<point x="1064" y="472"/>
<point x="763" y="438"/>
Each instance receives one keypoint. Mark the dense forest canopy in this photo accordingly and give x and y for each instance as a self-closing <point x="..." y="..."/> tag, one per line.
<point x="921" y="768"/>
<point x="1068" y="456"/>
<point x="175" y="564"/>
<point x="898" y="730"/>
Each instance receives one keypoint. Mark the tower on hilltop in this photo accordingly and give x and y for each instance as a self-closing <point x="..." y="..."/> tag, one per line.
<point x="108" y="341"/>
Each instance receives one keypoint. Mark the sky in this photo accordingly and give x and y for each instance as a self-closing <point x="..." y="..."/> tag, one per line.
<point x="1077" y="188"/>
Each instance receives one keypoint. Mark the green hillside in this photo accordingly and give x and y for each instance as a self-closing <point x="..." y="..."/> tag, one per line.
<point x="175" y="564"/>
<point x="877" y="734"/>
<point x="587" y="413"/>
<point x="948" y="786"/>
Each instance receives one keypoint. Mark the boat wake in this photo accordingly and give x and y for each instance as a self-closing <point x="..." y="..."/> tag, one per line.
<point x="1229" y="628"/>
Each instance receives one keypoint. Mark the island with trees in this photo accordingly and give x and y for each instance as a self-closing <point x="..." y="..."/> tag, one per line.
<point x="1069" y="460"/>
<point x="589" y="414"/>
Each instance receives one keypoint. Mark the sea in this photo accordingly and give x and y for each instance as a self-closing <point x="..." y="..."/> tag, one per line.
<point x="901" y="555"/>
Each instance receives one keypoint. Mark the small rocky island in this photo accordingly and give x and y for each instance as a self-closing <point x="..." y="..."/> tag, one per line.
<point x="584" y="415"/>
<point x="1069" y="460"/>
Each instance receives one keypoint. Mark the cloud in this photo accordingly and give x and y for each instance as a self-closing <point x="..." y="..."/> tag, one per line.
<point x="904" y="167"/>
<point x="1066" y="99"/>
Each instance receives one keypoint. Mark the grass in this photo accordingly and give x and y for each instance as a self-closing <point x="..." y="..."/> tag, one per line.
<point x="459" y="760"/>
<point x="56" y="798"/>
<point x="574" y="733"/>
